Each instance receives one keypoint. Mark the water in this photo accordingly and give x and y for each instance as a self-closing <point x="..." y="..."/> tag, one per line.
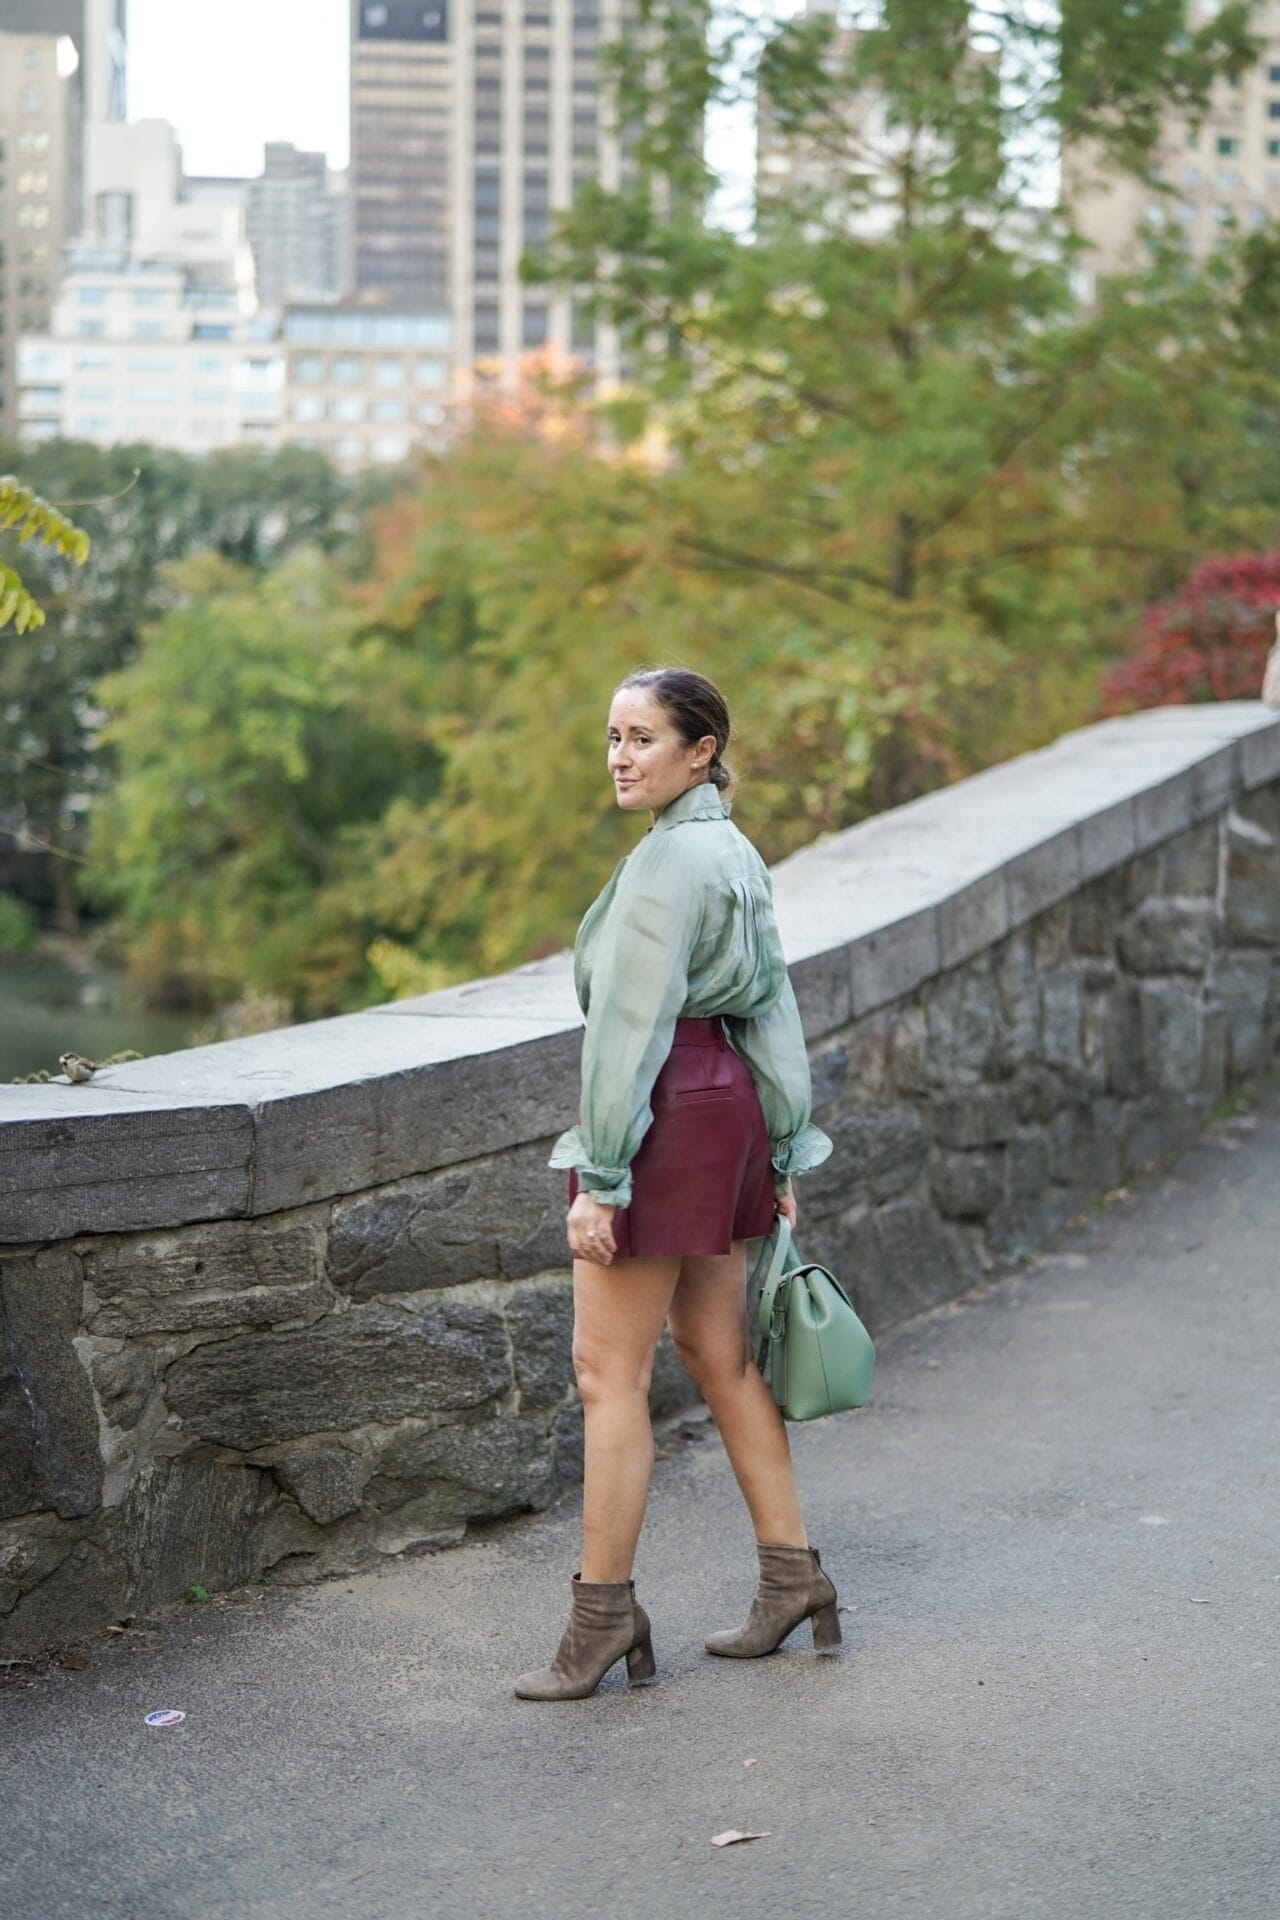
<point x="51" y="1005"/>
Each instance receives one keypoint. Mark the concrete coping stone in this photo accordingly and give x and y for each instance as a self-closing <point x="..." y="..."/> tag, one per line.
<point x="331" y="1107"/>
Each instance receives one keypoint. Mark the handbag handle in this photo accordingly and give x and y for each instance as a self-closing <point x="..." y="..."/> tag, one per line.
<point x="777" y="1254"/>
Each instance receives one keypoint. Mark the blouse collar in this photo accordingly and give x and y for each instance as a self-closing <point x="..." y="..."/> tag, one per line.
<point x="700" y="802"/>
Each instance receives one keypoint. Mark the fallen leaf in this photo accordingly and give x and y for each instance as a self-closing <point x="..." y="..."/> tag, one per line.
<point x="749" y="1763"/>
<point x="1200" y="1599"/>
<point x="732" y="1836"/>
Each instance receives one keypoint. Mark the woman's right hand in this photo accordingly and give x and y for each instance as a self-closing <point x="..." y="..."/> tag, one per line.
<point x="786" y="1205"/>
<point x="590" y="1229"/>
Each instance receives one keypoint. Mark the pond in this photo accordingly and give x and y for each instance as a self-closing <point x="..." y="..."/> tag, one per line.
<point x="52" y="1004"/>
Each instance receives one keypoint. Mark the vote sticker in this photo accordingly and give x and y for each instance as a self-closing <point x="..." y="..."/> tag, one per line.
<point x="166" y="1717"/>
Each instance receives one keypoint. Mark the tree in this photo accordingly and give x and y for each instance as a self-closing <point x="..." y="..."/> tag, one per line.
<point x="144" y="508"/>
<point x="255" y="733"/>
<point x="895" y="405"/>
<point x="1210" y="641"/>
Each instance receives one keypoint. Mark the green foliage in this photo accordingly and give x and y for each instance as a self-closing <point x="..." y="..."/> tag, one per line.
<point x="26" y="514"/>
<point x="144" y="508"/>
<point x="878" y="469"/>
<point x="257" y="731"/>
<point x="17" y="926"/>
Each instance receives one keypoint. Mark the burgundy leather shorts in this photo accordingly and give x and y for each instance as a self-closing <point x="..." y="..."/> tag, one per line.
<point x="703" y="1176"/>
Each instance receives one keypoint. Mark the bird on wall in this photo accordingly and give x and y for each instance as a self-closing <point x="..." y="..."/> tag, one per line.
<point x="77" y="1068"/>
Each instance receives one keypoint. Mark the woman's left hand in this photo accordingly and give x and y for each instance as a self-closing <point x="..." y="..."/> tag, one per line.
<point x="590" y="1230"/>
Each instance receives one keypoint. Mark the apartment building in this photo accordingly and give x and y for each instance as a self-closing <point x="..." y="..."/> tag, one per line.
<point x="471" y="126"/>
<point x="296" y="221"/>
<point x="140" y="351"/>
<point x="39" y="186"/>
<point x="1220" y="174"/>
<point x="365" y="385"/>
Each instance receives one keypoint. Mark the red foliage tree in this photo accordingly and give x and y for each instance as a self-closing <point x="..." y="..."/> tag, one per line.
<point x="1210" y="642"/>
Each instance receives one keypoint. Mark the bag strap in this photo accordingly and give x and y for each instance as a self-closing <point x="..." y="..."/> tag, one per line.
<point x="775" y="1254"/>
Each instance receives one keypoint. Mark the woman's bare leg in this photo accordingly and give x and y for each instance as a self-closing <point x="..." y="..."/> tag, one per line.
<point x="708" y="1317"/>
<point x="618" y="1314"/>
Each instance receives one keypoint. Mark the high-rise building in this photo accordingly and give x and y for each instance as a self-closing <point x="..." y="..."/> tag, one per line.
<point x="295" y="218"/>
<point x="1222" y="172"/>
<point x="39" y="186"/>
<point x="97" y="30"/>
<point x="471" y="126"/>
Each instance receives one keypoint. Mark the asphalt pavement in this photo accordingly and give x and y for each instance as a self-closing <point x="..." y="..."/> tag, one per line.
<point x="1057" y="1534"/>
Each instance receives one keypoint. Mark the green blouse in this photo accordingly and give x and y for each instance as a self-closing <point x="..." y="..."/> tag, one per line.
<point x="684" y="928"/>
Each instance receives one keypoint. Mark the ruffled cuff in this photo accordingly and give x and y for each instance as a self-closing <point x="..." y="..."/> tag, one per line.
<point x="610" y="1186"/>
<point x="807" y="1148"/>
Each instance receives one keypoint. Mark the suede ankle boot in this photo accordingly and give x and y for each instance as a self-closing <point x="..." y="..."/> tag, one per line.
<point x="606" y="1623"/>
<point x="792" y="1588"/>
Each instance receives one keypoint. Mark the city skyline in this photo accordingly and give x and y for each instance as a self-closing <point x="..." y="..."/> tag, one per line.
<point x="280" y="98"/>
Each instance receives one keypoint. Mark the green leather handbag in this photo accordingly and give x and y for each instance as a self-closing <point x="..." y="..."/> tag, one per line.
<point x="813" y="1350"/>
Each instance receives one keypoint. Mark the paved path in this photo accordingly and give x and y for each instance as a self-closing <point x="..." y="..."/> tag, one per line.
<point x="1058" y="1529"/>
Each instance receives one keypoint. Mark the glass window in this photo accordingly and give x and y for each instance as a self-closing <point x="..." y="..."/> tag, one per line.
<point x="89" y="395"/>
<point x="1228" y="144"/>
<point x="1273" y="149"/>
<point x="430" y="373"/>
<point x="1273" y="110"/>
<point x="210" y="396"/>
<point x="392" y="411"/>
<point x="148" y="329"/>
<point x="309" y="370"/>
<point x="93" y="363"/>
<point x="1273" y="74"/>
<point x="32" y="99"/>
<point x="44" y="396"/>
<point x="349" y="449"/>
<point x="348" y="371"/>
<point x="308" y="407"/>
<point x="390" y="446"/>
<point x="429" y="413"/>
<point x="348" y="409"/>
<point x="390" y="373"/>
<point x="33" y="214"/>
<point x="149" y="296"/>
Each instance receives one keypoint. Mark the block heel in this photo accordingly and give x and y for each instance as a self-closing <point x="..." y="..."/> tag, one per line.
<point x="826" y="1627"/>
<point x="640" y="1661"/>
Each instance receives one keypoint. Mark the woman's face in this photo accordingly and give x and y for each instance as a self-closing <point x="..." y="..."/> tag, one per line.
<point x="649" y="762"/>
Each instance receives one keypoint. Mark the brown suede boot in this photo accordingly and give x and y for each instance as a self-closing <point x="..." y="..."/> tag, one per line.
<point x="606" y="1624"/>
<point x="792" y="1588"/>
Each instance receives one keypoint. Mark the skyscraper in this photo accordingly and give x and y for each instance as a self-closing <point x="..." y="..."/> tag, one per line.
<point x="471" y="125"/>
<point x="295" y="217"/>
<point x="97" y="29"/>
<point x="39" y="186"/>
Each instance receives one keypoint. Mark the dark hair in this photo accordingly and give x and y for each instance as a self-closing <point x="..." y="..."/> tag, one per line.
<point x="695" y="704"/>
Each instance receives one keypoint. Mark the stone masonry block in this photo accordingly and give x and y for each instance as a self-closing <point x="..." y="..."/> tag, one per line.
<point x="443" y="1475"/>
<point x="892" y="961"/>
<point x="326" y="1482"/>
<point x="502" y="1216"/>
<point x="1252" y="897"/>
<point x="1260" y="755"/>
<point x="1169" y="936"/>
<point x="964" y="1024"/>
<point x="227" y="1274"/>
<point x="973" y="919"/>
<point x="966" y="1186"/>
<point x="977" y="1117"/>
<point x="1189" y="864"/>
<point x="1046" y="874"/>
<point x="540" y="1322"/>
<point x="1242" y="986"/>
<point x="1062" y="1020"/>
<point x="48" y="1418"/>
<point x="1169" y="1017"/>
<point x="372" y="1363"/>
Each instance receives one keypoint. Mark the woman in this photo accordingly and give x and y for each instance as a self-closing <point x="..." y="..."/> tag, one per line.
<point x="694" y="1115"/>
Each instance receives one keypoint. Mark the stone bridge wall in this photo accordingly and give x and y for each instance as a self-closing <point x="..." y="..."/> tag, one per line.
<point x="300" y="1300"/>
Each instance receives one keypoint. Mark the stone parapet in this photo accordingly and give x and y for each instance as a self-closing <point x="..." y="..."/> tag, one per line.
<point x="300" y="1300"/>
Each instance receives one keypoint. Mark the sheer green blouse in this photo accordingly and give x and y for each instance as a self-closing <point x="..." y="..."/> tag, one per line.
<point x="685" y="928"/>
